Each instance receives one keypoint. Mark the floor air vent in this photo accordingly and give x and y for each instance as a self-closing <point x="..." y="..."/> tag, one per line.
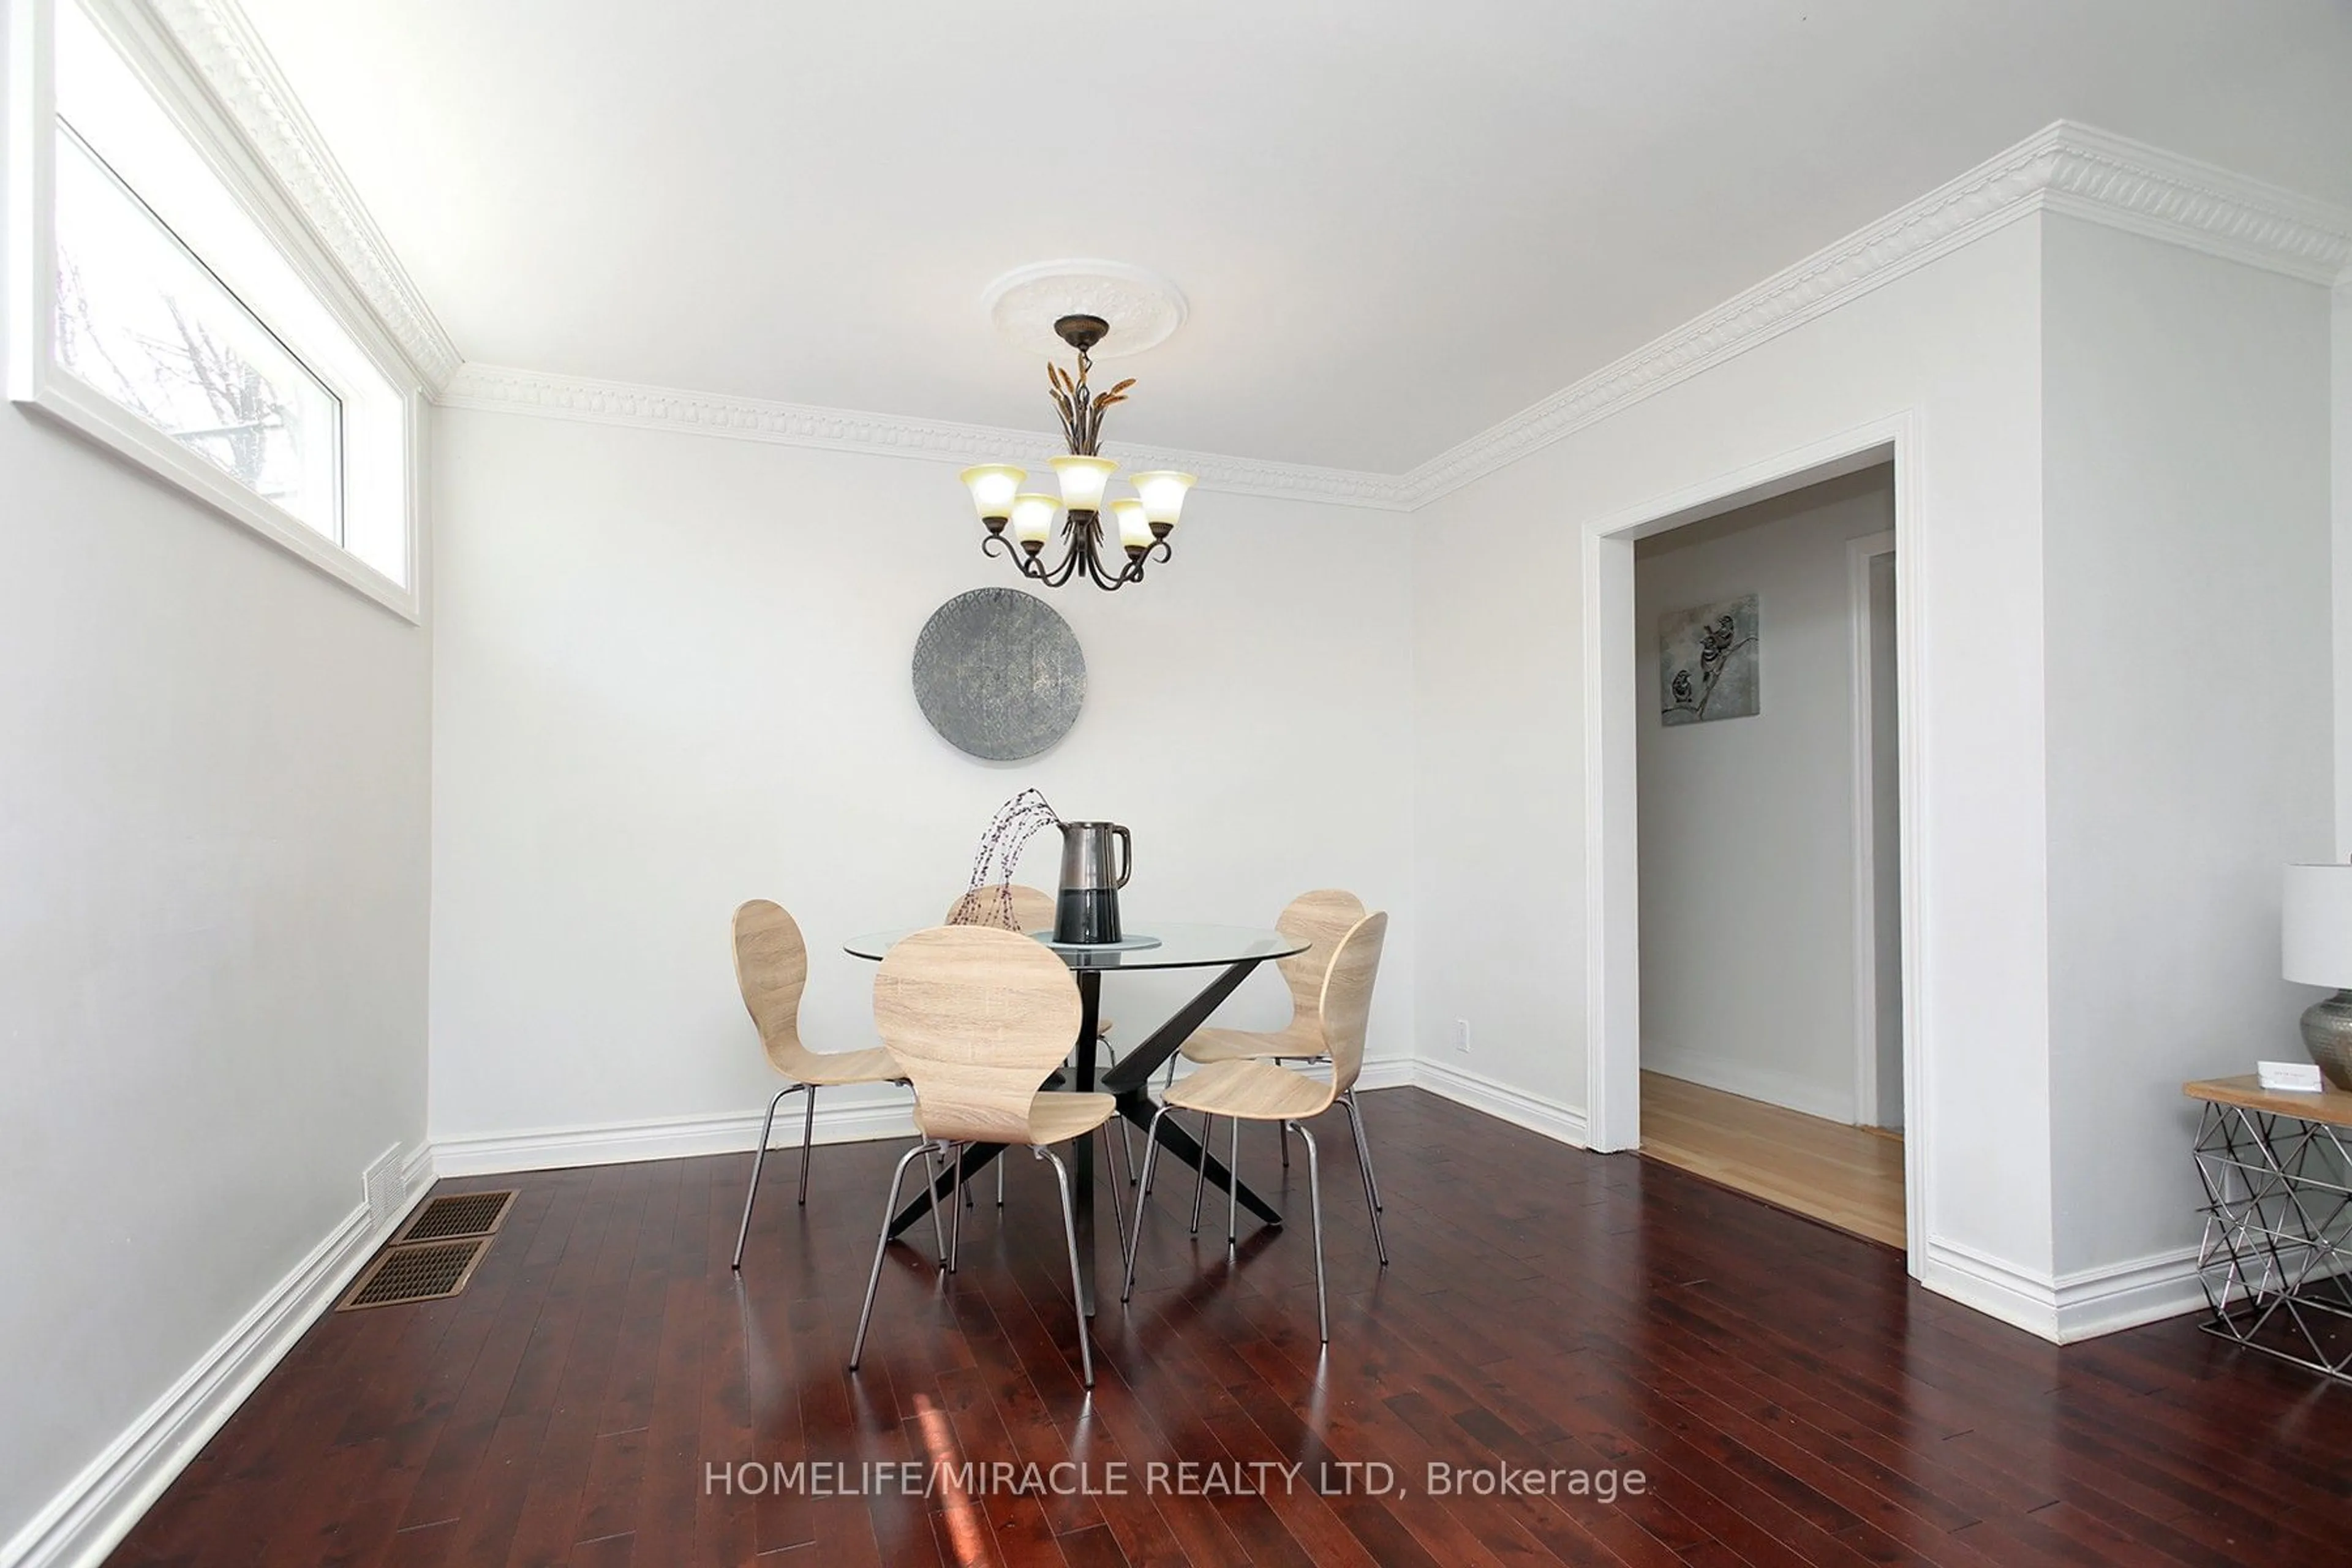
<point x="457" y="1214"/>
<point x="421" y="1271"/>
<point x="435" y="1253"/>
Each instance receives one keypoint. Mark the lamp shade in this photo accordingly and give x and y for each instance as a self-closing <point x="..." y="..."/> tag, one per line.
<point x="1083" y="480"/>
<point x="1033" y="518"/>
<point x="1162" y="491"/>
<point x="1134" y="530"/>
<point x="992" y="486"/>
<point x="2316" y="918"/>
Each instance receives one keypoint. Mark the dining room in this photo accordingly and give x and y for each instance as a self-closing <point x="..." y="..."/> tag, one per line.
<point x="770" y="801"/>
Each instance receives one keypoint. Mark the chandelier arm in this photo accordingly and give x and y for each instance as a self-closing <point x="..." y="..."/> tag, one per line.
<point x="1011" y="552"/>
<point x="1130" y="570"/>
<point x="1062" y="569"/>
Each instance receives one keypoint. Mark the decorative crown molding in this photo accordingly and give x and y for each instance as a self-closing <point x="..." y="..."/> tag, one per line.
<point x="222" y="46"/>
<point x="2066" y="167"/>
<point x="504" y="390"/>
<point x="2073" y="169"/>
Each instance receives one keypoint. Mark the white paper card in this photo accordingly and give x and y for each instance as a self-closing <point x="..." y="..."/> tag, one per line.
<point x="2298" y="1078"/>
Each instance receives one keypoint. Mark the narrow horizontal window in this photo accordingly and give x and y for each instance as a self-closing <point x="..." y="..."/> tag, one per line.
<point x="143" y="321"/>
<point x="168" y="302"/>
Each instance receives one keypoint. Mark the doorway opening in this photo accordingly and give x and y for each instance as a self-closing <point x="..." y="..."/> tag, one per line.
<point x="1766" y="746"/>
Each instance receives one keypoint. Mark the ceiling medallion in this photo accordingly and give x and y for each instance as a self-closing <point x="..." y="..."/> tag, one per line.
<point x="1144" y="521"/>
<point x="1139" y="308"/>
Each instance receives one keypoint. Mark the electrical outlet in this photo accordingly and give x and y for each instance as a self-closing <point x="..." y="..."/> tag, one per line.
<point x="1462" y="1036"/>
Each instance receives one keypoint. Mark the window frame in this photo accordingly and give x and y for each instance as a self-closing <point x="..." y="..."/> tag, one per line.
<point x="39" y="384"/>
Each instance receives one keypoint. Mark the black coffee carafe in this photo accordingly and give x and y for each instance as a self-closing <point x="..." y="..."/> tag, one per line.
<point x="1086" y="911"/>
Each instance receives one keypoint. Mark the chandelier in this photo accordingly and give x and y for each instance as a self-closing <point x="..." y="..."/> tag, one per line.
<point x="1142" y="521"/>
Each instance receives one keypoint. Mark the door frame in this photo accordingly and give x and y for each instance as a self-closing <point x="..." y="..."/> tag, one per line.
<point x="1859" y="554"/>
<point x="1613" y="1056"/>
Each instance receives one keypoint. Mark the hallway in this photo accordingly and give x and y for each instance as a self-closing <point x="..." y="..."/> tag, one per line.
<point x="1851" y="1177"/>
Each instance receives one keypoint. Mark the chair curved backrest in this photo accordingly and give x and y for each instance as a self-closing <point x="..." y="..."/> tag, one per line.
<point x="1346" y="1003"/>
<point x="1323" y="917"/>
<point x="1032" y="907"/>
<point x="976" y="1017"/>
<point x="771" y="970"/>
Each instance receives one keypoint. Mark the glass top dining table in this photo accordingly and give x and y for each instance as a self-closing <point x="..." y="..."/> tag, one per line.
<point x="1175" y="946"/>
<point x="1234" y="951"/>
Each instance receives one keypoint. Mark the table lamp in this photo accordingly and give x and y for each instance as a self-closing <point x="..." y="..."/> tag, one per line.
<point x="2318" y="921"/>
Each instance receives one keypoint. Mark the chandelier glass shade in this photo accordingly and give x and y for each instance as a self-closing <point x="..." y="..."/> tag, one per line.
<point x="1020" y="522"/>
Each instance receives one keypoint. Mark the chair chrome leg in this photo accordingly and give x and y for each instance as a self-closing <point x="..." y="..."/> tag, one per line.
<point x="882" y="1245"/>
<point x="1364" y="1166"/>
<point x="938" y="1220"/>
<point x="1000" y="1181"/>
<point x="1111" y="1164"/>
<point x="955" y="1226"/>
<point x="808" y="1135"/>
<point x="751" y="1194"/>
<point x="1232" y="1183"/>
<point x="1364" y="1149"/>
<point x="1077" y="1285"/>
<point x="1135" y="1239"/>
<point x="1201" y="1171"/>
<point x="1314" y="1204"/>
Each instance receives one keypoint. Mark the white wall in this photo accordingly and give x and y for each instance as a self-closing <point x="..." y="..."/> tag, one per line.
<point x="214" y="797"/>
<point x="2340" y="419"/>
<point x="1498" y="666"/>
<point x="672" y="674"/>
<point x="1746" y="824"/>
<point x="2189" y="657"/>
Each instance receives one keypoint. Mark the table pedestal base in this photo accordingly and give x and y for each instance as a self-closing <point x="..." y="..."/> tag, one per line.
<point x="1127" y="1081"/>
<point x="2278" y="1236"/>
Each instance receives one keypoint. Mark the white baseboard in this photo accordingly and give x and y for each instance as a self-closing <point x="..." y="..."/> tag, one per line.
<point x="1536" y="1112"/>
<point x="96" y="1509"/>
<point x="2095" y="1302"/>
<point x="688" y="1137"/>
<point x="1990" y="1285"/>
<point x="2082" y="1304"/>
<point x="838" y="1120"/>
<point x="1753" y="1080"/>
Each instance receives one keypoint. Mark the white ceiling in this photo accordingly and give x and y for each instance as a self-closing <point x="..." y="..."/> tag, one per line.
<point x="1397" y="222"/>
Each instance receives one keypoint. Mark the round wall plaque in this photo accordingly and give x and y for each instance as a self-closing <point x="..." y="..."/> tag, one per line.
<point x="999" y="674"/>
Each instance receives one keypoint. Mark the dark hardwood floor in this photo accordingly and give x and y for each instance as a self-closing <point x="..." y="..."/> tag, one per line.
<point x="1788" y="1396"/>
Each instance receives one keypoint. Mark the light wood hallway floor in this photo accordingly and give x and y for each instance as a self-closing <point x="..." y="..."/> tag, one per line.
<point x="1851" y="1177"/>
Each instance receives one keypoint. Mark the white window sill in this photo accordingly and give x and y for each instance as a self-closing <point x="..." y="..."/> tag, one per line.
<point x="64" y="397"/>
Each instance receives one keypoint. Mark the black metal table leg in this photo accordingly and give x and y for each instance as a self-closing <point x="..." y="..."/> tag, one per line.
<point x="1082" y="1148"/>
<point x="1127" y="1081"/>
<point x="976" y="1158"/>
<point x="1132" y="1075"/>
<point x="1178" y="1139"/>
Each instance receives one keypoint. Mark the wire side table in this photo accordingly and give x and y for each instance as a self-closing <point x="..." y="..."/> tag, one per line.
<point x="2278" y="1220"/>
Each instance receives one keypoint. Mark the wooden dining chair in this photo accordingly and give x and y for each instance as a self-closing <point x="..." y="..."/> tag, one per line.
<point x="976" y="1017"/>
<point x="771" y="970"/>
<point x="1251" y="1089"/>
<point x="1013" y="906"/>
<point x="1321" y="918"/>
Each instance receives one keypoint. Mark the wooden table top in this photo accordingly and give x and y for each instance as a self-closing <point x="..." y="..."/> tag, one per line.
<point x="2329" y="1105"/>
